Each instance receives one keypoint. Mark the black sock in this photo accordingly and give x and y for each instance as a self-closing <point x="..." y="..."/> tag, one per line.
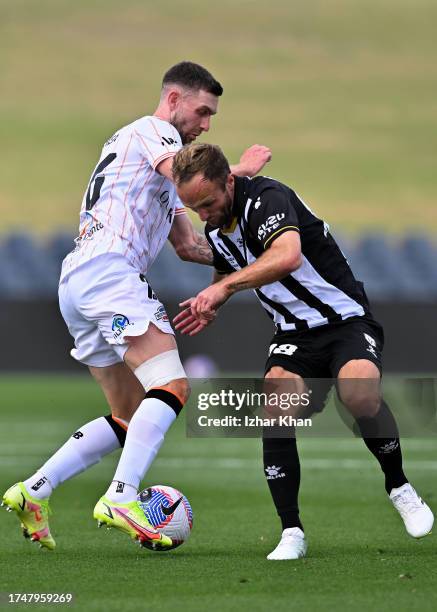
<point x="282" y="470"/>
<point x="381" y="436"/>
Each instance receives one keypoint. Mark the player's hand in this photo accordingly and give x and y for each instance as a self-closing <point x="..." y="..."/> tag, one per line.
<point x="187" y="323"/>
<point x="207" y="302"/>
<point x="253" y="160"/>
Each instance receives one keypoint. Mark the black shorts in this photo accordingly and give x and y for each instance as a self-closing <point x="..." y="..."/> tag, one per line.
<point x="322" y="351"/>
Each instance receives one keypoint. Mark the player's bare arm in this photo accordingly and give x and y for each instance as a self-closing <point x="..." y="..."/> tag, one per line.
<point x="283" y="257"/>
<point x="188" y="243"/>
<point x="252" y="161"/>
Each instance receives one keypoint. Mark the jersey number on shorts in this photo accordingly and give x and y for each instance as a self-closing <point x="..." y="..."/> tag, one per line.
<point x="96" y="182"/>
<point x="282" y="349"/>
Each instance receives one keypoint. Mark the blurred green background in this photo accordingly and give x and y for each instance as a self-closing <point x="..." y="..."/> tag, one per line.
<point x="345" y="93"/>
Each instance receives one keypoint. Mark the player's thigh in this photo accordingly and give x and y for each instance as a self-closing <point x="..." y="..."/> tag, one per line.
<point x="357" y="365"/>
<point x="121" y="388"/>
<point x="280" y="384"/>
<point x="142" y="348"/>
<point x="292" y="361"/>
<point x="130" y="318"/>
<point x="354" y="346"/>
<point x="90" y="346"/>
<point x="140" y="329"/>
<point x="285" y="377"/>
<point x="141" y="352"/>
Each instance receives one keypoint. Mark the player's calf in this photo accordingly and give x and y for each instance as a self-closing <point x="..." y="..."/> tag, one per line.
<point x="167" y="389"/>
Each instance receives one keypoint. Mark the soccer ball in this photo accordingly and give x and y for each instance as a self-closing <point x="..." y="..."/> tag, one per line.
<point x="169" y="511"/>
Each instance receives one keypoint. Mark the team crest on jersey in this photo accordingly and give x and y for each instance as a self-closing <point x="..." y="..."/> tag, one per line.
<point x="119" y="323"/>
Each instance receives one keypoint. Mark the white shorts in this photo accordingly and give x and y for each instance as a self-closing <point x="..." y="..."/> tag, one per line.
<point x="104" y="301"/>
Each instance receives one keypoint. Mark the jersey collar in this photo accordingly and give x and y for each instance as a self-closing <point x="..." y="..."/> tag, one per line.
<point x="240" y="190"/>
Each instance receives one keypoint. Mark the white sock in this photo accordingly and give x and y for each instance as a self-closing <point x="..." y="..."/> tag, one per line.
<point x="144" y="437"/>
<point x="85" y="448"/>
<point x="38" y="486"/>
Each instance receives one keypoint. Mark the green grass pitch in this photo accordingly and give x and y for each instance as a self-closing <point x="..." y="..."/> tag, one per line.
<point x="359" y="555"/>
<point x="344" y="92"/>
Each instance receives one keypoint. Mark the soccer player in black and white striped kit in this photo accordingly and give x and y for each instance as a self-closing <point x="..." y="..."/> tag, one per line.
<point x="264" y="237"/>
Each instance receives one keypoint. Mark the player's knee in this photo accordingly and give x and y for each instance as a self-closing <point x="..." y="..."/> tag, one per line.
<point x="360" y="403"/>
<point x="163" y="377"/>
<point x="278" y="372"/>
<point x="278" y="380"/>
<point x="161" y="370"/>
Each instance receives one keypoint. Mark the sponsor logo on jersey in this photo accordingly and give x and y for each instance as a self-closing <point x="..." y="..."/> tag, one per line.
<point x="89" y="230"/>
<point x="164" y="197"/>
<point x="160" y="314"/>
<point x="270" y="225"/>
<point x="119" y="323"/>
<point x="273" y="472"/>
<point x="230" y="259"/>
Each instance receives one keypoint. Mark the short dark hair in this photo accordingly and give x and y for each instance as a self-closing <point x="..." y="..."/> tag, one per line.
<point x="192" y="76"/>
<point x="203" y="158"/>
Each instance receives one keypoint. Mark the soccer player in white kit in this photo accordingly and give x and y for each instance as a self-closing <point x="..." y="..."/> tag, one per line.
<point x="120" y="329"/>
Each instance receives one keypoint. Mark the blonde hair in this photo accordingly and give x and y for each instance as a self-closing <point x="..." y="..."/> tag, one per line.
<point x="200" y="158"/>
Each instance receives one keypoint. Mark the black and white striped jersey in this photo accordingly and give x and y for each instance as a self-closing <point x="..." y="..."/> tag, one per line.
<point x="323" y="290"/>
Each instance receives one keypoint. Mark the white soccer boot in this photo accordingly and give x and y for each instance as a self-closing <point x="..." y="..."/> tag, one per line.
<point x="292" y="545"/>
<point x="417" y="516"/>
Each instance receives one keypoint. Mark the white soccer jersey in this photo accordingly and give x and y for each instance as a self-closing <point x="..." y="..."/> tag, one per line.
<point x="129" y="207"/>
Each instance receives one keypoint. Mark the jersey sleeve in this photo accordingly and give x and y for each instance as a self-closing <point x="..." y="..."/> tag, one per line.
<point x="179" y="208"/>
<point x="158" y="140"/>
<point x="271" y="215"/>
